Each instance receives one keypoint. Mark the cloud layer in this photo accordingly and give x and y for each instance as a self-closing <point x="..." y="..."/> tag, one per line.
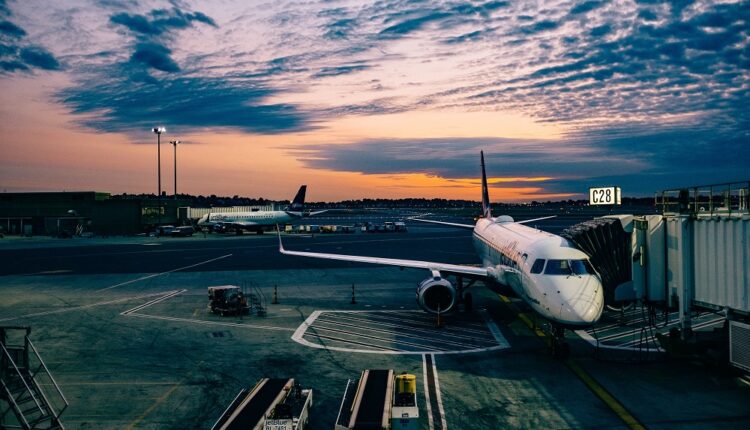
<point x="645" y="91"/>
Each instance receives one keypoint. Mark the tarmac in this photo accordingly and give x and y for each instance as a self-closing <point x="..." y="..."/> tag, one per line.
<point x="122" y="324"/>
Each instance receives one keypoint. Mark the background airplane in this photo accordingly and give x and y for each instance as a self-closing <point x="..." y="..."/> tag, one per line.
<point x="545" y="270"/>
<point x="258" y="221"/>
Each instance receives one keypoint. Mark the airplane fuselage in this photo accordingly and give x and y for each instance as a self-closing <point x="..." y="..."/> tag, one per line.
<point x="547" y="271"/>
<point x="247" y="219"/>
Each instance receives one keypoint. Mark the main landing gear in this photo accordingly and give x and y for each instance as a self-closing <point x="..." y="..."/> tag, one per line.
<point x="557" y="344"/>
<point x="462" y="296"/>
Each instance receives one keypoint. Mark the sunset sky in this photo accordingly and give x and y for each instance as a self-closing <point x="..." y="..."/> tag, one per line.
<point x="360" y="99"/>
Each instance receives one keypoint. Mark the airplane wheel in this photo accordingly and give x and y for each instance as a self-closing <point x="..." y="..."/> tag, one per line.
<point x="468" y="302"/>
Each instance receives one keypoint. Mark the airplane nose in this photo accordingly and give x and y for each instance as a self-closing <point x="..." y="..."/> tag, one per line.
<point x="586" y="306"/>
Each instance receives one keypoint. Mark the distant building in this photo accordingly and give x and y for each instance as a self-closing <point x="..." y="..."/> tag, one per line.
<point x="68" y="213"/>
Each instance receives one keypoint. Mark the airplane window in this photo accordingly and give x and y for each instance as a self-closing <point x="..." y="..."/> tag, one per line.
<point x="581" y="267"/>
<point x="568" y="267"/>
<point x="538" y="266"/>
<point x="558" y="267"/>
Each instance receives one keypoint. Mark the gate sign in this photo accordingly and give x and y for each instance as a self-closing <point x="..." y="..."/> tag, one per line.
<point x="604" y="196"/>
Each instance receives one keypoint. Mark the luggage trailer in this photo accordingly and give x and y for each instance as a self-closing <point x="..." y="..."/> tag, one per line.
<point x="273" y="404"/>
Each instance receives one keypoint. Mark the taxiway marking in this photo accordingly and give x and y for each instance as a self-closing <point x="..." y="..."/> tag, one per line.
<point x="433" y="384"/>
<point x="601" y="392"/>
<point x="133" y="313"/>
<point x="153" y="275"/>
<point x="159" y="401"/>
<point x="75" y="308"/>
<point x="430" y="420"/>
<point x="302" y="331"/>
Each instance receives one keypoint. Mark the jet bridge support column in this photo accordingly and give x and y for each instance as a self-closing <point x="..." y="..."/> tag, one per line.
<point x="680" y="269"/>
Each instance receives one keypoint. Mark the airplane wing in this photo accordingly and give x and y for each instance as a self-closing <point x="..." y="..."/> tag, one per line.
<point x="452" y="269"/>
<point x="452" y="224"/>
<point x="526" y="221"/>
<point x="317" y="212"/>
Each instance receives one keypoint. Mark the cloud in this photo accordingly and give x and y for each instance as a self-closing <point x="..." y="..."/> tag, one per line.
<point x="159" y="21"/>
<point x="7" y="28"/>
<point x="135" y="103"/>
<point x="12" y="66"/>
<point x="340" y="70"/>
<point x="38" y="57"/>
<point x="155" y="56"/>
<point x="586" y="6"/>
<point x="152" y="34"/>
<point x="18" y="56"/>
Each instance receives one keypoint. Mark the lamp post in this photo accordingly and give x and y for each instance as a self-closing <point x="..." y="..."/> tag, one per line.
<point x="159" y="131"/>
<point x="174" y="143"/>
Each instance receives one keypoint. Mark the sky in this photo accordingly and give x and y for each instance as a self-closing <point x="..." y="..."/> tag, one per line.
<point x="383" y="99"/>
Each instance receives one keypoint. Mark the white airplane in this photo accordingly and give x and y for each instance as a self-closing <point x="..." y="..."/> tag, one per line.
<point x="545" y="270"/>
<point x="258" y="221"/>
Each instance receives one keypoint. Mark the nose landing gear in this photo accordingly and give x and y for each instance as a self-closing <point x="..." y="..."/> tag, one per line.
<point x="559" y="348"/>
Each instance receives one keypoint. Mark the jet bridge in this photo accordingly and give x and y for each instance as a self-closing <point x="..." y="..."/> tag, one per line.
<point x="693" y="257"/>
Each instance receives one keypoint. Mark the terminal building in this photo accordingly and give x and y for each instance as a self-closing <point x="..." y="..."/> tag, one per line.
<point x="70" y="213"/>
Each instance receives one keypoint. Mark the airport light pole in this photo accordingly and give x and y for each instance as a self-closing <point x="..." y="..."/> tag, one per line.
<point x="158" y="131"/>
<point x="174" y="143"/>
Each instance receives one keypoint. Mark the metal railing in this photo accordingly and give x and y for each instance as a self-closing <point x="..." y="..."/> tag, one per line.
<point x="727" y="199"/>
<point x="42" y="365"/>
<point x="21" y="368"/>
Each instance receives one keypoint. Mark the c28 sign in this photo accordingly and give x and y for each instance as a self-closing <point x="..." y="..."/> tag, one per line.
<point x="604" y="196"/>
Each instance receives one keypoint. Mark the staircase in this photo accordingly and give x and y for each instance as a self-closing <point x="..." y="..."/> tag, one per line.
<point x="26" y="385"/>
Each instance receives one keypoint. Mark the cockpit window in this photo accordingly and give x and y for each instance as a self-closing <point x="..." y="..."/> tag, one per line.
<point x="538" y="266"/>
<point x="568" y="267"/>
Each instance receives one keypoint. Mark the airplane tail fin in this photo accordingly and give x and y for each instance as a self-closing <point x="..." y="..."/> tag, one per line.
<point x="486" y="211"/>
<point x="299" y="200"/>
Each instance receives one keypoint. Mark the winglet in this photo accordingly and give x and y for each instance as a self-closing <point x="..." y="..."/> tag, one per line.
<point x="486" y="210"/>
<point x="281" y="245"/>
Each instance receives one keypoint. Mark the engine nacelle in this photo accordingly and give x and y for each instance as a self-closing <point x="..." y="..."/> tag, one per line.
<point x="436" y="294"/>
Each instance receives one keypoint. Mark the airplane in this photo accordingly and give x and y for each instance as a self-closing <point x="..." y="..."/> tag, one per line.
<point x="258" y="221"/>
<point x="545" y="270"/>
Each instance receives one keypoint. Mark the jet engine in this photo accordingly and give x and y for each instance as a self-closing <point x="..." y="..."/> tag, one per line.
<point x="436" y="294"/>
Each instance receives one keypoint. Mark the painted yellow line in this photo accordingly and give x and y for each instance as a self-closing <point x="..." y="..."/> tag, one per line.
<point x="603" y="394"/>
<point x="158" y="401"/>
<point x="151" y="408"/>
<point x="608" y="399"/>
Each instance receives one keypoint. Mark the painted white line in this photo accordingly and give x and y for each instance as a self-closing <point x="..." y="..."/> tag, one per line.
<point x="162" y="273"/>
<point x="76" y="308"/>
<point x="430" y="421"/>
<point x="410" y="325"/>
<point x="375" y="338"/>
<point x="496" y="333"/>
<point x="406" y="332"/>
<point x="443" y="423"/>
<point x="152" y="302"/>
<point x="591" y="340"/>
<point x="204" y="322"/>
<point x="300" y="332"/>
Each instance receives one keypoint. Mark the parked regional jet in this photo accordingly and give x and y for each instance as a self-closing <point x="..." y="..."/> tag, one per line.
<point x="258" y="220"/>
<point x="545" y="270"/>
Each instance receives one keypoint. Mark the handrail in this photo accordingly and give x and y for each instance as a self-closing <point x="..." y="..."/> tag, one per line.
<point x="57" y="387"/>
<point x="33" y="397"/>
<point x="18" y="408"/>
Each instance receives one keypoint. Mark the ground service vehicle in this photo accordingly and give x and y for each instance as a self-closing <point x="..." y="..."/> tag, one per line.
<point x="227" y="300"/>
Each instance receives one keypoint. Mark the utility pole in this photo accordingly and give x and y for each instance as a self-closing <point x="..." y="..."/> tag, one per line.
<point x="174" y="143"/>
